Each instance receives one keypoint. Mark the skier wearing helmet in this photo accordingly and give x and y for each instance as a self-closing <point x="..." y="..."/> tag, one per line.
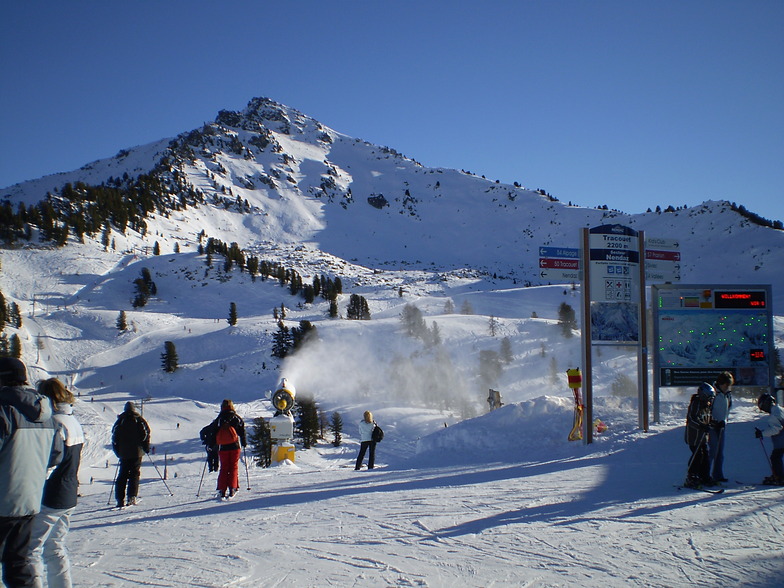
<point x="775" y="430"/>
<point x="698" y="417"/>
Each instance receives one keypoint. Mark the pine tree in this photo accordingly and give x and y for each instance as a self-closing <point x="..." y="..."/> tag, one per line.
<point x="156" y="249"/>
<point x="506" y="350"/>
<point x="3" y="312"/>
<point x="307" y="421"/>
<point x="15" y="315"/>
<point x="492" y="325"/>
<point x="232" y="314"/>
<point x="336" y="428"/>
<point x="15" y="346"/>
<point x="566" y="319"/>
<point x="260" y="442"/>
<point x="281" y="341"/>
<point x="122" y="323"/>
<point x="169" y="359"/>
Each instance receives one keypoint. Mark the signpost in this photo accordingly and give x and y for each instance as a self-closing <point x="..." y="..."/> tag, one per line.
<point x="613" y="306"/>
<point x="662" y="260"/>
<point x="559" y="264"/>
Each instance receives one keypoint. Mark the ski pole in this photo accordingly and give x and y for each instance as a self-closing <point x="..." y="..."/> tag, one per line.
<point x="114" y="481"/>
<point x="770" y="464"/>
<point x="696" y="451"/>
<point x="159" y="474"/>
<point x="245" y="459"/>
<point x="202" y="478"/>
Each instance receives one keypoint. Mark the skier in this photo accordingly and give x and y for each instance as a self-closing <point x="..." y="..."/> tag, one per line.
<point x="366" y="426"/>
<point x="229" y="435"/>
<point x="28" y="445"/>
<point x="774" y="430"/>
<point x="207" y="435"/>
<point x="47" y="547"/>
<point x="698" y="418"/>
<point x="130" y="441"/>
<point x="720" y="412"/>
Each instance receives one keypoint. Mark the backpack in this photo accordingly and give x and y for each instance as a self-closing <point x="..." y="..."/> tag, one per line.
<point x="377" y="435"/>
<point x="226" y="435"/>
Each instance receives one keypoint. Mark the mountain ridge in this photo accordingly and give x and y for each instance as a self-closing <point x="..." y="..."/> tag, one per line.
<point x="273" y="175"/>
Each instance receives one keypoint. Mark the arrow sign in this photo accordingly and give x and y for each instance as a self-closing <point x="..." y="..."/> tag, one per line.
<point x="563" y="252"/>
<point x="571" y="264"/>
<point x="662" y="255"/>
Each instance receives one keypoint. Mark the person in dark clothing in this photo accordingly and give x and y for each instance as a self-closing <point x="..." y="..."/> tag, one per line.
<point x="130" y="441"/>
<point x="47" y="549"/>
<point x="229" y="436"/>
<point x="28" y="447"/>
<point x="698" y="418"/>
<point x="207" y="436"/>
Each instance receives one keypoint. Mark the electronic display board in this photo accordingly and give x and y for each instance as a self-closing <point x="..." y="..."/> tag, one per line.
<point x="701" y="330"/>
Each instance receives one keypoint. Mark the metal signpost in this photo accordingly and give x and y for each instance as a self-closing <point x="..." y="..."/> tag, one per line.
<point x="613" y="306"/>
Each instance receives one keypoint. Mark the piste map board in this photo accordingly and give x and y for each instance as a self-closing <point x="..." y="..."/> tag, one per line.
<point x="701" y="330"/>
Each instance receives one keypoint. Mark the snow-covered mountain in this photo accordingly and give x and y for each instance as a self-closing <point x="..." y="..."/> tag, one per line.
<point x="482" y="499"/>
<point x="271" y="176"/>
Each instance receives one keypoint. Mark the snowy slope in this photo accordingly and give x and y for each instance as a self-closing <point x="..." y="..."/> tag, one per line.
<point x="499" y="499"/>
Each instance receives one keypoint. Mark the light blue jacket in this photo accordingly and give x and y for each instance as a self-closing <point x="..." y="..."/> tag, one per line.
<point x="28" y="447"/>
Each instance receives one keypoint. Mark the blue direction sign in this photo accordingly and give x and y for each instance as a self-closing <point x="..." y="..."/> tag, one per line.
<point x="560" y="252"/>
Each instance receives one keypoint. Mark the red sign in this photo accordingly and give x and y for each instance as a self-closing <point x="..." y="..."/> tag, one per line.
<point x="663" y="255"/>
<point x="555" y="263"/>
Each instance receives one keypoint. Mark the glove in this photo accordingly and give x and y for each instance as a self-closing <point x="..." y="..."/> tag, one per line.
<point x="704" y="428"/>
<point x="757" y="433"/>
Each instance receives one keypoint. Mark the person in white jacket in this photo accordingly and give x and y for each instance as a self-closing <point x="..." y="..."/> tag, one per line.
<point x="366" y="426"/>
<point x="774" y="430"/>
<point x="47" y="550"/>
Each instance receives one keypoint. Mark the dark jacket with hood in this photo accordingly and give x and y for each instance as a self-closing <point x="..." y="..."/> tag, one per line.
<point x="130" y="434"/>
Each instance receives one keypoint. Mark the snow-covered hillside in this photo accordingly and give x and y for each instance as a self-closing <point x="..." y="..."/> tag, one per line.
<point x="499" y="499"/>
<point x="272" y="176"/>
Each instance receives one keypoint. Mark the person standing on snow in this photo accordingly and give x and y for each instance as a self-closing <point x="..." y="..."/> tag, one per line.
<point x="28" y="446"/>
<point x="698" y="418"/>
<point x="207" y="436"/>
<point x="720" y="412"/>
<point x="774" y="430"/>
<point x="50" y="527"/>
<point x="130" y="441"/>
<point x="229" y="435"/>
<point x="366" y="426"/>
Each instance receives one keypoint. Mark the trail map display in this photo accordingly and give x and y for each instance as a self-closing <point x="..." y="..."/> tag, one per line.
<point x="700" y="331"/>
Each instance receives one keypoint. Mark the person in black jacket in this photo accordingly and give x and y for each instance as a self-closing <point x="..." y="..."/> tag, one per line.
<point x="207" y="436"/>
<point x="47" y="547"/>
<point x="130" y="441"/>
<point x="698" y="418"/>
<point x="229" y="448"/>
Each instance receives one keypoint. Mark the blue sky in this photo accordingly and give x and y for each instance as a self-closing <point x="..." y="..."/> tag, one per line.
<point x="628" y="104"/>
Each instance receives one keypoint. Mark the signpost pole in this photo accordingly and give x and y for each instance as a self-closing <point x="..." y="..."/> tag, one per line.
<point x="642" y="348"/>
<point x="586" y="333"/>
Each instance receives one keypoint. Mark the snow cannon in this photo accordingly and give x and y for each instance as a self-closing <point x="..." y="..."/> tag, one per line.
<point x="282" y="423"/>
<point x="283" y="398"/>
